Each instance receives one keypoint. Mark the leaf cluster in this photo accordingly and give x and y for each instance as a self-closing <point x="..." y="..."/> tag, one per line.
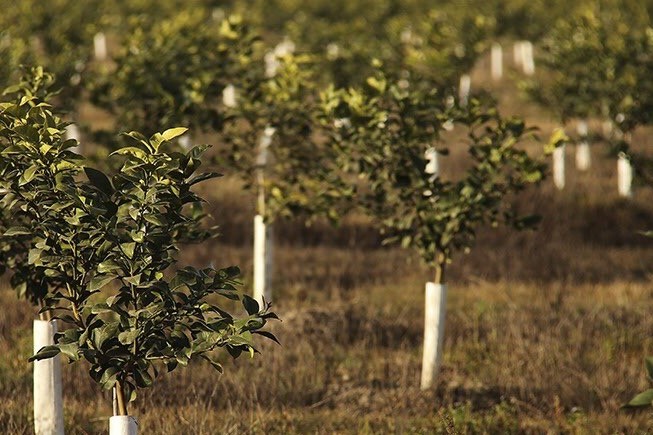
<point x="173" y="71"/>
<point x="386" y="128"/>
<point x="294" y="168"/>
<point x="596" y="61"/>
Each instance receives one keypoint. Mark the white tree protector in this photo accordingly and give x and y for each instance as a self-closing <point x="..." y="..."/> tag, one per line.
<point x="72" y="132"/>
<point x="271" y="64"/>
<point x="432" y="166"/>
<point x="333" y="51"/>
<point x="528" y="62"/>
<point x="266" y="141"/>
<point x="559" y="167"/>
<point x="464" y="89"/>
<point x="624" y="175"/>
<point x="271" y="58"/>
<point x="262" y="260"/>
<point x="285" y="47"/>
<point x="583" y="154"/>
<point x="434" y="318"/>
<point x="230" y="96"/>
<point x="123" y="425"/>
<point x="517" y="53"/>
<point x="100" y="46"/>
<point x="342" y="122"/>
<point x="496" y="61"/>
<point x="48" y="401"/>
<point x="186" y="141"/>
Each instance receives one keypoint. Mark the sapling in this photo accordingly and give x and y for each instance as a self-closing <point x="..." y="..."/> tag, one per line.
<point x="72" y="233"/>
<point x="384" y="145"/>
<point x="149" y="318"/>
<point x="58" y="35"/>
<point x="271" y="142"/>
<point x="36" y="163"/>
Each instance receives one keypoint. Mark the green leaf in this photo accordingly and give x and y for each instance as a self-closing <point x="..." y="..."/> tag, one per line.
<point x="142" y="378"/>
<point x="557" y="139"/>
<point x="132" y="151"/>
<point x="203" y="177"/>
<point x="133" y="280"/>
<point x="99" y="180"/>
<point x="128" y="249"/>
<point x="103" y="333"/>
<point x="109" y="377"/>
<point x="45" y="353"/>
<point x="34" y="256"/>
<point x="17" y="231"/>
<point x="250" y="304"/>
<point x="216" y="365"/>
<point x="156" y="219"/>
<point x="642" y="399"/>
<point x="100" y="280"/>
<point x="71" y="350"/>
<point x="269" y="335"/>
<point x="171" y="365"/>
<point x="128" y="337"/>
<point x="108" y="266"/>
<point x="172" y="133"/>
<point x="28" y="175"/>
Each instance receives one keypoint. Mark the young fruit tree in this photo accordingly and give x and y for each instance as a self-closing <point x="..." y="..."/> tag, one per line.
<point x="271" y="140"/>
<point x="76" y="237"/>
<point x="146" y="317"/>
<point x="383" y="144"/>
<point x="36" y="165"/>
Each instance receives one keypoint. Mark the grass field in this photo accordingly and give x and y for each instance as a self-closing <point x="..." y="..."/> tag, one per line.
<point x="546" y="330"/>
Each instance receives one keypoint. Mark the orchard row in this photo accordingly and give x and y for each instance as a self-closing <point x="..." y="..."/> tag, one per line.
<point x="321" y="110"/>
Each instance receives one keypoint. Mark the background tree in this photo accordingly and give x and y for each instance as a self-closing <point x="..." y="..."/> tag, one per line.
<point x="390" y="130"/>
<point x="173" y="71"/>
<point x="272" y="140"/>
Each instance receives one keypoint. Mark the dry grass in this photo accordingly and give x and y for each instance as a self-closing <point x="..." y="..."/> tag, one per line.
<point x="518" y="358"/>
